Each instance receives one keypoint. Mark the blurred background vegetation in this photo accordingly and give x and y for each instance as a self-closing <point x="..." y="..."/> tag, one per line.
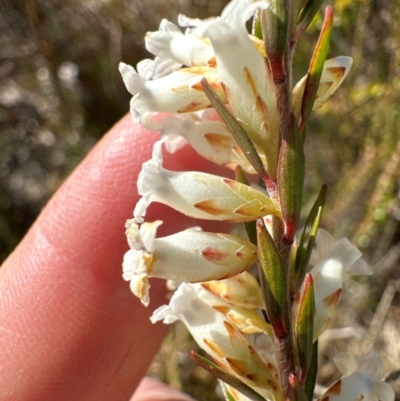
<point x="60" y="90"/>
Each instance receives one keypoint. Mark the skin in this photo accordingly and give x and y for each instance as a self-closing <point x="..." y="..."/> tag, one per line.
<point x="70" y="329"/>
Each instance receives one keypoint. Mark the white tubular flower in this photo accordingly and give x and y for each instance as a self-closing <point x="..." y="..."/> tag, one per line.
<point x="178" y="92"/>
<point x="334" y="72"/>
<point x="361" y="380"/>
<point x="199" y="195"/>
<point x="170" y="43"/>
<point x="331" y="259"/>
<point x="245" y="76"/>
<point x="220" y="339"/>
<point x="210" y="139"/>
<point x="190" y="256"/>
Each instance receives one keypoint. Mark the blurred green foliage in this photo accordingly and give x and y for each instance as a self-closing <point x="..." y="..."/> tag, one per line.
<point x="60" y="91"/>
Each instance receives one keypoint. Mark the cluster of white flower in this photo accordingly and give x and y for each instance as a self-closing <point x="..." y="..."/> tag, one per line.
<point x="218" y="300"/>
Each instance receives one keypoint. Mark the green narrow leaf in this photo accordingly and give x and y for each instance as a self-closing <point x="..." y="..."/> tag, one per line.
<point x="316" y="67"/>
<point x="226" y="377"/>
<point x="250" y="226"/>
<point x="273" y="280"/>
<point x="304" y="327"/>
<point x="307" y="241"/>
<point x="309" y="385"/>
<point x="291" y="177"/>
<point x="237" y="131"/>
<point x="306" y="16"/>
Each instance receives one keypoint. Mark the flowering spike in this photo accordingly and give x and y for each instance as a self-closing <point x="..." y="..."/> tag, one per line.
<point x="307" y="240"/>
<point x="316" y="67"/>
<point x="259" y="333"/>
<point x="291" y="178"/>
<point x="304" y="327"/>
